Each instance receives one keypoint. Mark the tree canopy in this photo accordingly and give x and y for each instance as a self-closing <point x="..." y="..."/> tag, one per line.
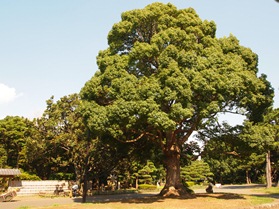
<point x="164" y="75"/>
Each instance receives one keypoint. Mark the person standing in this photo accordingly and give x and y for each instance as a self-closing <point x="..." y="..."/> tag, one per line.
<point x="74" y="190"/>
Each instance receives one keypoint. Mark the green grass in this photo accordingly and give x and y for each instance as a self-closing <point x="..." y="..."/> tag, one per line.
<point x="256" y="200"/>
<point x="23" y="207"/>
<point x="272" y="190"/>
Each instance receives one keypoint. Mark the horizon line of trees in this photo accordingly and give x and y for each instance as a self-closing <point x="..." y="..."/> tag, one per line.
<point x="54" y="147"/>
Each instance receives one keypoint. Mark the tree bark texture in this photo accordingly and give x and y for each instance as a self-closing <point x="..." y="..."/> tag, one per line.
<point x="268" y="170"/>
<point x="173" y="186"/>
<point x="85" y="188"/>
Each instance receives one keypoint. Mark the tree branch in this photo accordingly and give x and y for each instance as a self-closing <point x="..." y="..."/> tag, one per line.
<point x="132" y="140"/>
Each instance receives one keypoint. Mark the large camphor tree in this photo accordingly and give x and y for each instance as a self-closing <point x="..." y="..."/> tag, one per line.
<point x="164" y="75"/>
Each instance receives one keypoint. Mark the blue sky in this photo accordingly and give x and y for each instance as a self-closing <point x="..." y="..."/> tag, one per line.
<point x="50" y="47"/>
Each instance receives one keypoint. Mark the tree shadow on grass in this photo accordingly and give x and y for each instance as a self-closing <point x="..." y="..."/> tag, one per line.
<point x="156" y="198"/>
<point x="152" y="198"/>
<point x="117" y="198"/>
<point x="226" y="196"/>
<point x="130" y="198"/>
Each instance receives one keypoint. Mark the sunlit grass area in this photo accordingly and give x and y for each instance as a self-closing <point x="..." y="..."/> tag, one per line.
<point x="259" y="200"/>
<point x="272" y="190"/>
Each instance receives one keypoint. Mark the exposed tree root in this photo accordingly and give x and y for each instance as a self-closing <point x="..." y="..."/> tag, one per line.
<point x="173" y="192"/>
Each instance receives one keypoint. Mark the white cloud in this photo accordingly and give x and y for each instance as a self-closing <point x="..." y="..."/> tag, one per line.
<point x="7" y="94"/>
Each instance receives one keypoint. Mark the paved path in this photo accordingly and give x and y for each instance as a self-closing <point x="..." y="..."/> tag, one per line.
<point x="43" y="202"/>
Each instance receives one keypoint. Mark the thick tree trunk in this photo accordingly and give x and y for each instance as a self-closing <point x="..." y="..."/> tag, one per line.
<point x="173" y="186"/>
<point x="268" y="170"/>
<point x="85" y="188"/>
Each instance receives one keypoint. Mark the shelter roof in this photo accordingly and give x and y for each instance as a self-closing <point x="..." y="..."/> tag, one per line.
<point x="9" y="172"/>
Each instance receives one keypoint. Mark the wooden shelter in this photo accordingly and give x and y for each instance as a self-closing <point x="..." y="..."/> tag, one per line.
<point x="9" y="173"/>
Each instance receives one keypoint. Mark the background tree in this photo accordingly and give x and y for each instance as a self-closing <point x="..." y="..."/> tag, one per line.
<point x="198" y="171"/>
<point x="14" y="131"/>
<point x="230" y="158"/>
<point x="70" y="148"/>
<point x="257" y="112"/>
<point x="54" y="138"/>
<point x="165" y="75"/>
<point x="147" y="175"/>
<point x="4" y="157"/>
<point x="190" y="152"/>
<point x="264" y="138"/>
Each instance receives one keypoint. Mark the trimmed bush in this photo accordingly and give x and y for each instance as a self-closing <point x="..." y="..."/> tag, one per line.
<point x="147" y="187"/>
<point x="27" y="176"/>
<point x="190" y="183"/>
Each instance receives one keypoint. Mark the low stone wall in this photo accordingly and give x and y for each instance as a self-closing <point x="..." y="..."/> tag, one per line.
<point x="38" y="187"/>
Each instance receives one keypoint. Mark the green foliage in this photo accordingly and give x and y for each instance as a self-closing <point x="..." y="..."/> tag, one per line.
<point x="3" y="185"/>
<point x="238" y="154"/>
<point x="14" y="132"/>
<point x="58" y="131"/>
<point x="198" y="171"/>
<point x="3" y="156"/>
<point x="147" y="187"/>
<point x="190" y="183"/>
<point x="262" y="138"/>
<point x="230" y="158"/>
<point x="27" y="176"/>
<point x="262" y="179"/>
<point x="258" y="112"/>
<point x="62" y="176"/>
<point x="152" y="62"/>
<point x="189" y="153"/>
<point x="147" y="175"/>
<point x="164" y="75"/>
